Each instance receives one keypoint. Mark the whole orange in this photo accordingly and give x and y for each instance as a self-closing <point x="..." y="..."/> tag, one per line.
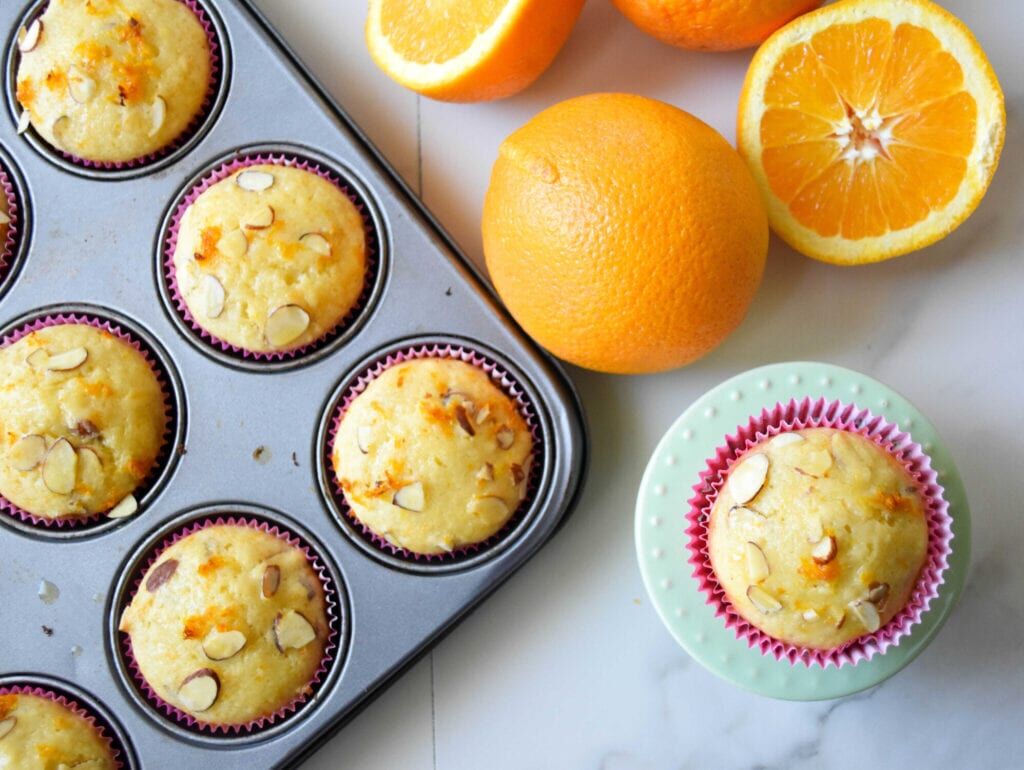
<point x="623" y="234"/>
<point x="712" y="25"/>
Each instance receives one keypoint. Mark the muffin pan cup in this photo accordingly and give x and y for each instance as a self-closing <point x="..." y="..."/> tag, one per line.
<point x="252" y="437"/>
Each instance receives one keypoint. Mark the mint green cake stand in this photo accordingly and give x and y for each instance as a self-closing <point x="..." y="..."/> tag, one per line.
<point x="661" y="529"/>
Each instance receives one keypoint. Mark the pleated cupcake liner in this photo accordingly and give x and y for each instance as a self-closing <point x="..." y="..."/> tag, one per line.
<point x="331" y="644"/>
<point x="822" y="413"/>
<point x="225" y="170"/>
<point x="194" y="126"/>
<point x="94" y="721"/>
<point x="504" y="381"/>
<point x="163" y="378"/>
<point x="9" y="245"/>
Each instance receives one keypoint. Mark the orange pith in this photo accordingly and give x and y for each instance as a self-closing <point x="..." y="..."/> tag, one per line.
<point x="871" y="118"/>
<point x="451" y="34"/>
<point x="874" y="127"/>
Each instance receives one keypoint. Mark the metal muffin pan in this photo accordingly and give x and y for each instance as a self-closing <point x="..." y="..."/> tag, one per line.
<point x="252" y="435"/>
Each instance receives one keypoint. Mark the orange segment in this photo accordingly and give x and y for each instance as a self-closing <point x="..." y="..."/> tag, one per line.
<point x="873" y="128"/>
<point x="467" y="50"/>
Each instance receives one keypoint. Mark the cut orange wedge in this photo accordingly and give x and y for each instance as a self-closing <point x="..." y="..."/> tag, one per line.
<point x="873" y="128"/>
<point x="468" y="50"/>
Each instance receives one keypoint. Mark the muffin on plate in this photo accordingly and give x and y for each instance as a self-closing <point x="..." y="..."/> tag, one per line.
<point x="432" y="456"/>
<point x="82" y="422"/>
<point x="229" y="624"/>
<point x="270" y="258"/>
<point x="818" y="536"/>
<point x="39" y="733"/>
<point x="113" y="81"/>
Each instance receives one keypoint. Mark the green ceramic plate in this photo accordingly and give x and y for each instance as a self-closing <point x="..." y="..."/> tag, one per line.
<point x="661" y="523"/>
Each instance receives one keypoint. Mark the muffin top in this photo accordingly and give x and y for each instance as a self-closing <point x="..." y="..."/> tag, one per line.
<point x="229" y="624"/>
<point x="818" y="536"/>
<point x="82" y="421"/>
<point x="270" y="258"/>
<point x="432" y="455"/>
<point x="37" y="733"/>
<point x="113" y="80"/>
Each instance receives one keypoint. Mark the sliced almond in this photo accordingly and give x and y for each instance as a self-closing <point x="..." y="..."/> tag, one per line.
<point x="747" y="478"/>
<point x="6" y="725"/>
<point x="505" y="438"/>
<point x="157" y="115"/>
<point x="411" y="497"/>
<point x="824" y="550"/>
<point x="60" y="467"/>
<point x="80" y="85"/>
<point x="37" y="359"/>
<point x="271" y="581"/>
<point x="199" y="690"/>
<point x="90" y="466"/>
<point x="462" y="417"/>
<point x="254" y="180"/>
<point x="4" y="219"/>
<point x="259" y="218"/>
<point x="840" y="621"/>
<point x="285" y="325"/>
<point x="364" y="438"/>
<point x="213" y="295"/>
<point x="518" y="474"/>
<point x="233" y="245"/>
<point x="740" y="517"/>
<point x="757" y="562"/>
<point x="24" y="121"/>
<point x="161" y="574"/>
<point x="486" y="472"/>
<point x="85" y="429"/>
<point x="28" y="452"/>
<point x="221" y="645"/>
<point x="316" y="243"/>
<point x="810" y="615"/>
<point x="786" y="439"/>
<point x="68" y="360"/>
<point x="763" y="600"/>
<point x="482" y="414"/>
<point x="867" y="614"/>
<point x="125" y="508"/>
<point x="292" y="631"/>
<point x="878" y="594"/>
<point x="29" y="37"/>
<point x="489" y="507"/>
<point x="58" y="127"/>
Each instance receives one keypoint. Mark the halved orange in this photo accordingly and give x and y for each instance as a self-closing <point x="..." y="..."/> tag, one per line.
<point x="873" y="128"/>
<point x="468" y="50"/>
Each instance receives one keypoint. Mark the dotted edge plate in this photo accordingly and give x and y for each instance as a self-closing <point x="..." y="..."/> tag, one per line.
<point x="661" y="538"/>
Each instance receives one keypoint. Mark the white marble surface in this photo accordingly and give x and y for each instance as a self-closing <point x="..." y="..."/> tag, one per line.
<point x="568" y="666"/>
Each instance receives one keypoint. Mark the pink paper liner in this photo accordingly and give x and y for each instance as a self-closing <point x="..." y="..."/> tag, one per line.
<point x="197" y="121"/>
<point x="279" y="159"/>
<point x="330" y="646"/>
<point x="8" y="245"/>
<point x="95" y="721"/>
<point x="500" y="377"/>
<point x="797" y="415"/>
<point x="62" y="319"/>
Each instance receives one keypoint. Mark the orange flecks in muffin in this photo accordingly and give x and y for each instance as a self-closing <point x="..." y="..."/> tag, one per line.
<point x="893" y="502"/>
<point x="131" y="80"/>
<point x="54" y="755"/>
<point x="130" y="32"/>
<point x="26" y="92"/>
<point x="287" y="249"/>
<point x="98" y="389"/>
<point x="7" y="704"/>
<point x="138" y="467"/>
<point x="208" y="239"/>
<point x="221" y="618"/>
<point x="90" y="53"/>
<point x="56" y="80"/>
<point x="211" y="565"/>
<point x="811" y="570"/>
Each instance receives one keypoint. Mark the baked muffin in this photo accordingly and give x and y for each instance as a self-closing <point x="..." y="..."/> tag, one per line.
<point x="113" y="80"/>
<point x="270" y="258"/>
<point x="82" y="422"/>
<point x="38" y="733"/>
<point x="433" y="456"/>
<point x="229" y="624"/>
<point x="818" y="537"/>
<point x="5" y="219"/>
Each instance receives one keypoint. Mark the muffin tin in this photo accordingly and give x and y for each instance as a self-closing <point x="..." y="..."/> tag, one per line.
<point x="250" y="434"/>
